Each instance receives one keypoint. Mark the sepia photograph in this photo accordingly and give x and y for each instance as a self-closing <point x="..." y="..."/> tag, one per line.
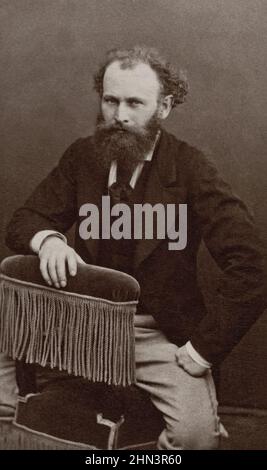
<point x="133" y="227"/>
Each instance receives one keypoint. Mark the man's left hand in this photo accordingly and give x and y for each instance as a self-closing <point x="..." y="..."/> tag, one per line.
<point x="185" y="361"/>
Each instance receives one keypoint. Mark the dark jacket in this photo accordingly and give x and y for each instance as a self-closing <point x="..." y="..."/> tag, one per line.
<point x="168" y="279"/>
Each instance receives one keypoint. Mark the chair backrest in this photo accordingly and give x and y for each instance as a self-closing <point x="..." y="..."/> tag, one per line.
<point x="86" y="329"/>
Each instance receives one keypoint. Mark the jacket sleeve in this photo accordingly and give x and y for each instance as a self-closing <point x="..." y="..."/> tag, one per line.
<point x="50" y="207"/>
<point x="230" y="235"/>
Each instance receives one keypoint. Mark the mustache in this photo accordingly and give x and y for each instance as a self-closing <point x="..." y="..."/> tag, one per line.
<point x="113" y="128"/>
<point x="116" y="128"/>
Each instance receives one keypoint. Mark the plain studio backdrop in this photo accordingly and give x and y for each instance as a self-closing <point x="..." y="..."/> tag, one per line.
<point x="49" y="51"/>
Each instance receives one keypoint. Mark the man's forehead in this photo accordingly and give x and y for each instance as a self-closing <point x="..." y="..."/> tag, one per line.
<point x="137" y="80"/>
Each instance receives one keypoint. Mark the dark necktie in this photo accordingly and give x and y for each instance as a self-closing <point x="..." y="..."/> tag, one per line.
<point x="121" y="189"/>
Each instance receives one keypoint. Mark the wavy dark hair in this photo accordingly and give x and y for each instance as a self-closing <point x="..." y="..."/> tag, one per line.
<point x="172" y="82"/>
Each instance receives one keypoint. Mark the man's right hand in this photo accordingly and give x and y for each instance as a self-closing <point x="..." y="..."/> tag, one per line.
<point x="57" y="260"/>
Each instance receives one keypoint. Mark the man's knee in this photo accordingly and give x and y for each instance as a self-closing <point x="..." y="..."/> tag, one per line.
<point x="189" y="437"/>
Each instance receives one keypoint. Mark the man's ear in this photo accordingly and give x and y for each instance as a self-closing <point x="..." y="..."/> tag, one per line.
<point x="165" y="106"/>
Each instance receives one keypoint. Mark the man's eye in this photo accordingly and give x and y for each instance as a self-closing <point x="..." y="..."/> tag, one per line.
<point x="134" y="103"/>
<point x="110" y="100"/>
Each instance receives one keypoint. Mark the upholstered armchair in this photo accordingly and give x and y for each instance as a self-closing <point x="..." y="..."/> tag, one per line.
<point x="75" y="362"/>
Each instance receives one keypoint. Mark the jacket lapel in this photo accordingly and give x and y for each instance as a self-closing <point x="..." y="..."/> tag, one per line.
<point x="95" y="188"/>
<point x="161" y="188"/>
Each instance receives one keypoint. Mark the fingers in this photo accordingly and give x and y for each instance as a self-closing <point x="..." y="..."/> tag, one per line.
<point x="72" y="263"/>
<point x="54" y="267"/>
<point x="44" y="271"/>
<point x="181" y="357"/>
<point x="60" y="266"/>
<point x="53" y="270"/>
<point x="181" y="363"/>
<point x="57" y="260"/>
<point x="186" y="363"/>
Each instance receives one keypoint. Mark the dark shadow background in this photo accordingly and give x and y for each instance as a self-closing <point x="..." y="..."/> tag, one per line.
<point x="49" y="50"/>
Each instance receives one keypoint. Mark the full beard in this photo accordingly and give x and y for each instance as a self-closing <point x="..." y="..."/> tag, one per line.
<point x="126" y="145"/>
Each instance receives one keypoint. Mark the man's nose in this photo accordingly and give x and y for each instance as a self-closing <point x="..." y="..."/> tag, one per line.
<point x="121" y="115"/>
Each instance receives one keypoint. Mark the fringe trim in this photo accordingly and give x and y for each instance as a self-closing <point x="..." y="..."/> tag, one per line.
<point x="87" y="337"/>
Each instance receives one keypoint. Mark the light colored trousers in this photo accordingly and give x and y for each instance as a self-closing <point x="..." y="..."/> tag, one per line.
<point x="188" y="404"/>
<point x="8" y="386"/>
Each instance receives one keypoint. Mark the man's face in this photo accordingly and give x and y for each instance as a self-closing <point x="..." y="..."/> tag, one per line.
<point x="129" y="117"/>
<point x="130" y="96"/>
